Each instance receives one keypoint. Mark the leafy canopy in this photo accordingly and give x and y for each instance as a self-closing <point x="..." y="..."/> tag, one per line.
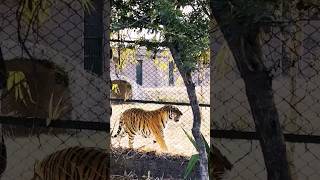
<point x="181" y="21"/>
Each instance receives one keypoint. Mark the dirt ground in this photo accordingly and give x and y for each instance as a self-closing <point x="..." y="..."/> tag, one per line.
<point x="134" y="164"/>
<point x="176" y="140"/>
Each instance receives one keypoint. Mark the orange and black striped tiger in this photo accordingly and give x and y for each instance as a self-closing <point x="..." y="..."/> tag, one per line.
<point x="75" y="163"/>
<point x="138" y="121"/>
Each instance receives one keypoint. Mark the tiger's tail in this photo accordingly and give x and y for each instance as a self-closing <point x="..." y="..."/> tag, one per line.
<point x="119" y="129"/>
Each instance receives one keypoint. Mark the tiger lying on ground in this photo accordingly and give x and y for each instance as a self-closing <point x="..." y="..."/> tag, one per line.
<point x="75" y="163"/>
<point x="138" y="121"/>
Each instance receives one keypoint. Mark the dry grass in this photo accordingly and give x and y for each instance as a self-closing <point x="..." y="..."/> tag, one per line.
<point x="146" y="165"/>
<point x="133" y="176"/>
<point x="127" y="153"/>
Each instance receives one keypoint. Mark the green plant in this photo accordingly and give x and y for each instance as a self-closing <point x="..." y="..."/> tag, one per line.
<point x="115" y="88"/>
<point x="38" y="10"/>
<point x="15" y="82"/>
<point x="195" y="157"/>
<point x="54" y="111"/>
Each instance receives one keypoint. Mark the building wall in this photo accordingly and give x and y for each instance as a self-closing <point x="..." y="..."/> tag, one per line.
<point x="153" y="76"/>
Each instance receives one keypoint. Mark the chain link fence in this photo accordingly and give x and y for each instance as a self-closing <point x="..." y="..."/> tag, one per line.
<point x="56" y="90"/>
<point x="291" y="53"/>
<point x="57" y="95"/>
<point x="149" y="79"/>
<point x="55" y="73"/>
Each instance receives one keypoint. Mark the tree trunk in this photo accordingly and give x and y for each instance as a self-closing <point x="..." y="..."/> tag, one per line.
<point x="246" y="48"/>
<point x="3" y="83"/>
<point x="3" y="72"/>
<point x="108" y="57"/>
<point x="212" y="72"/>
<point x="175" y="50"/>
<point x="292" y="47"/>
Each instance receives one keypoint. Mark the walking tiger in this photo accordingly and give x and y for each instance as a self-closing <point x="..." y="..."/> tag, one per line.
<point x="138" y="121"/>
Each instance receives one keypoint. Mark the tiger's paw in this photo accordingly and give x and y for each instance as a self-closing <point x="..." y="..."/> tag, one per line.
<point x="147" y="149"/>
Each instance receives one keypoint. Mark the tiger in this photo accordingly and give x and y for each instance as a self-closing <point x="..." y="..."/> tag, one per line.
<point x="74" y="163"/>
<point x="138" y="121"/>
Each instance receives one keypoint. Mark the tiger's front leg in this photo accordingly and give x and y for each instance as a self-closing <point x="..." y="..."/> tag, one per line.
<point x="131" y="138"/>
<point x="160" y="140"/>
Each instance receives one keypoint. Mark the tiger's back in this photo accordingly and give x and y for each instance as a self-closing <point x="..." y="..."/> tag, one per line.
<point x="75" y="163"/>
<point x="142" y="121"/>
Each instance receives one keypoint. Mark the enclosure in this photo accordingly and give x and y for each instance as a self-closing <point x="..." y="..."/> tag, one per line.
<point x="149" y="80"/>
<point x="72" y="68"/>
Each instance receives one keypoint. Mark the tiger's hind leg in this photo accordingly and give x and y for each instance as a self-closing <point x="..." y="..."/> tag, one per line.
<point x="119" y="132"/>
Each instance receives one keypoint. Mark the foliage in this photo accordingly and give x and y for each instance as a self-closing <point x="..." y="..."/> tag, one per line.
<point x="166" y="54"/>
<point x="204" y="57"/>
<point x="222" y="56"/>
<point x="162" y="65"/>
<point x="55" y="111"/>
<point x="115" y="88"/>
<point x="38" y="10"/>
<point x="169" y="20"/>
<point x="34" y="10"/>
<point x="124" y="55"/>
<point x="17" y="82"/>
<point x="195" y="157"/>
<point x="128" y="55"/>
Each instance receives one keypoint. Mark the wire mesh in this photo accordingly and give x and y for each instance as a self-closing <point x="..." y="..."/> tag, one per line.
<point x="291" y="50"/>
<point x="152" y="81"/>
<point x="48" y="82"/>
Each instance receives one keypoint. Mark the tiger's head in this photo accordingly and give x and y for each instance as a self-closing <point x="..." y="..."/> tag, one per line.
<point x="173" y="112"/>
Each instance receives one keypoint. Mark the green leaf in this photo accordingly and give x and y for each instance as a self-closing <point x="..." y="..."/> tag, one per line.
<point x="57" y="109"/>
<point x="206" y="144"/>
<point x="115" y="88"/>
<point x="191" y="165"/>
<point x="54" y="111"/>
<point x="10" y="81"/>
<point x="38" y="11"/>
<point x="20" y="94"/>
<point x="191" y="139"/>
<point x="17" y="81"/>
<point x="87" y="5"/>
<point x="25" y="84"/>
